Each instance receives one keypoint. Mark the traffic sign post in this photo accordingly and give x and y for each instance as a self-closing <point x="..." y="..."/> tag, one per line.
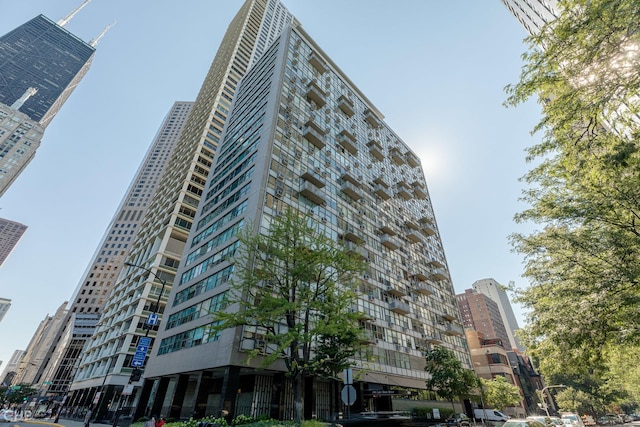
<point x="348" y="395"/>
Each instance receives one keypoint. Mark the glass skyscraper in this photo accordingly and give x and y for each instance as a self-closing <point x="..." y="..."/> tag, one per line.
<point x="41" y="63"/>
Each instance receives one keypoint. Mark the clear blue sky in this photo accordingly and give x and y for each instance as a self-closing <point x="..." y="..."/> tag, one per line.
<point x="436" y="70"/>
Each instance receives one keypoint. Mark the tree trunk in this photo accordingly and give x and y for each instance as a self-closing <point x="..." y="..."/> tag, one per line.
<point x="298" y="399"/>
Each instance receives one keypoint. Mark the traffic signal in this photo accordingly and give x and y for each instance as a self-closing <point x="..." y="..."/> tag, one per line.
<point x="136" y="374"/>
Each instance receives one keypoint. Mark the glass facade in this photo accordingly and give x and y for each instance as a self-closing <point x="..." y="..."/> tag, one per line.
<point x="42" y="55"/>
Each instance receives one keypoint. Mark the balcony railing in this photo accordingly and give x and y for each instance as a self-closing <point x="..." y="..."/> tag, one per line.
<point x="346" y="105"/>
<point x="390" y="242"/>
<point x="351" y="190"/>
<point x="371" y="119"/>
<point x="316" y="94"/>
<point x="400" y="307"/>
<point x="317" y="63"/>
<point x="313" y="193"/>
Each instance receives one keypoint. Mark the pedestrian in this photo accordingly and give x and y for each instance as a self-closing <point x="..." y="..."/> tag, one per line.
<point x="151" y="422"/>
<point x="87" y="418"/>
<point x="160" y="421"/>
<point x="57" y="418"/>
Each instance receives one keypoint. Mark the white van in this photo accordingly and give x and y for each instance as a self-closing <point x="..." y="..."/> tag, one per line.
<point x="491" y="415"/>
<point x="575" y="419"/>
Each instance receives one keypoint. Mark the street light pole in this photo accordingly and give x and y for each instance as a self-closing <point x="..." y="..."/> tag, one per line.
<point x="544" y="400"/>
<point x="147" y="325"/>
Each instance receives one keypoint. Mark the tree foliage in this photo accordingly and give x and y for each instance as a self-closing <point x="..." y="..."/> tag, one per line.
<point x="448" y="378"/>
<point x="583" y="264"/>
<point x="295" y="291"/>
<point x="16" y="394"/>
<point x="499" y="394"/>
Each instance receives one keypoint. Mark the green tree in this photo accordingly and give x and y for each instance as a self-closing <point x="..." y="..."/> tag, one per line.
<point x="583" y="263"/>
<point x="17" y="394"/>
<point x="578" y="401"/>
<point x="294" y="289"/>
<point x="448" y="378"/>
<point x="499" y="394"/>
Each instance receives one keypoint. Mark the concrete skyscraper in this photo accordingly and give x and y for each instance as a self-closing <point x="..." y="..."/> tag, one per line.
<point x="301" y="135"/>
<point x="41" y="63"/>
<point x="100" y="276"/>
<point x="10" y="368"/>
<point x="533" y="14"/>
<point x="496" y="292"/>
<point x="10" y="234"/>
<point x="164" y="229"/>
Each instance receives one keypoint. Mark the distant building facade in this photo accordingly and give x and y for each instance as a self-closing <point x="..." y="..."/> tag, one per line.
<point x="481" y="313"/>
<point x="5" y="304"/>
<point x="41" y="63"/>
<point x="100" y="276"/>
<point x="34" y="360"/>
<point x="10" y="368"/>
<point x="10" y="234"/>
<point x="533" y="14"/>
<point x="495" y="291"/>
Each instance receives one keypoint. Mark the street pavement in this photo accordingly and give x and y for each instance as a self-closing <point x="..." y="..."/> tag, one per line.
<point x="62" y="422"/>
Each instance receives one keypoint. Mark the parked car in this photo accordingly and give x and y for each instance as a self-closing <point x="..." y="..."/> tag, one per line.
<point x="458" y="420"/>
<point x="489" y="414"/>
<point x="522" y="422"/>
<point x="575" y="419"/>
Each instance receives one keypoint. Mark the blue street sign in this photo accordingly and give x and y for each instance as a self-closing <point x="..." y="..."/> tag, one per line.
<point x="137" y="363"/>
<point x="144" y="341"/>
<point x="142" y="348"/>
<point x="140" y="355"/>
<point x="152" y="319"/>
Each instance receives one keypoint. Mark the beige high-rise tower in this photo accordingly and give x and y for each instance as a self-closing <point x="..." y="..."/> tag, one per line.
<point x="116" y="347"/>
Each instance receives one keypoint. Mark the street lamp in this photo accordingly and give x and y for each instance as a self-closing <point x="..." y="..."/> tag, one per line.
<point x="544" y="400"/>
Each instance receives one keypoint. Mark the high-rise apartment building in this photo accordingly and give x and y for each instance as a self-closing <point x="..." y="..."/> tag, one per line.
<point x="41" y="63"/>
<point x="533" y="14"/>
<point x="100" y="276"/>
<point x="10" y="234"/>
<point x="5" y="304"/>
<point x="107" y="364"/>
<point x="481" y="313"/>
<point x="301" y="135"/>
<point x="497" y="293"/>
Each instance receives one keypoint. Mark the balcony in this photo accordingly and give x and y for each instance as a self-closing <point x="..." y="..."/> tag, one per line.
<point x="414" y="236"/>
<point x="382" y="191"/>
<point x="428" y="229"/>
<point x="387" y="230"/>
<point x="423" y="288"/>
<point x="317" y="63"/>
<point x="412" y="224"/>
<point x="419" y="193"/>
<point x="351" y="190"/>
<point x="348" y="141"/>
<point x="403" y="190"/>
<point x="411" y="159"/>
<point x="314" y="137"/>
<point x="371" y="119"/>
<point x="396" y="289"/>
<point x="315" y="94"/>
<point x="439" y="274"/>
<point x="390" y="242"/>
<point x="435" y="263"/>
<point x="454" y="329"/>
<point x="418" y="275"/>
<point x="349" y="177"/>
<point x="448" y="316"/>
<point x="432" y="338"/>
<point x="346" y="105"/>
<point x="313" y="193"/>
<point x="375" y="149"/>
<point x="399" y="307"/>
<point x="396" y="156"/>
<point x="358" y="250"/>
<point x="353" y="235"/>
<point x="380" y="180"/>
<point x="368" y="337"/>
<point x="313" y="177"/>
<point x="426" y="220"/>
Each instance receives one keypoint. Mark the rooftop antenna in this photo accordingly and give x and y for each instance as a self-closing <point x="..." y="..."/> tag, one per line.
<point x="94" y="41"/>
<point x="64" y="21"/>
<point x="20" y="101"/>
